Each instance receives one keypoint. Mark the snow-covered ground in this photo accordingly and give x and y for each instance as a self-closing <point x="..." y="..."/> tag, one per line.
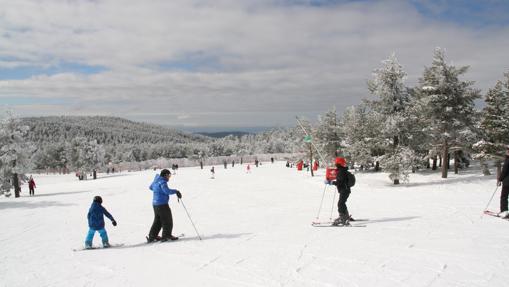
<point x="256" y="232"/>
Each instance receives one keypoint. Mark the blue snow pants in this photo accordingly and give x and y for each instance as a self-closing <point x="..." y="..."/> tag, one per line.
<point x="91" y="233"/>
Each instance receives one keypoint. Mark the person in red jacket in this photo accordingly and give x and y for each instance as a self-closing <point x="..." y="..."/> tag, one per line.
<point x="344" y="191"/>
<point x="31" y="186"/>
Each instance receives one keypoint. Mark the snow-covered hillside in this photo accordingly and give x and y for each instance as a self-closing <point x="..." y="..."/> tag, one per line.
<point x="256" y="232"/>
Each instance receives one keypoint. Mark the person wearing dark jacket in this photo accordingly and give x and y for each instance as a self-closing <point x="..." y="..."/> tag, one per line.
<point x="503" y="180"/>
<point x="341" y="183"/>
<point x="162" y="211"/>
<point x="31" y="186"/>
<point x="96" y="222"/>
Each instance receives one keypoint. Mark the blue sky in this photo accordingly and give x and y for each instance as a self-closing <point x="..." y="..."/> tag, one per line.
<point x="222" y="62"/>
<point x="26" y="72"/>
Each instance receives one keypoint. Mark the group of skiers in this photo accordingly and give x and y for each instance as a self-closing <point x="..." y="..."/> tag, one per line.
<point x="162" y="213"/>
<point x="163" y="217"/>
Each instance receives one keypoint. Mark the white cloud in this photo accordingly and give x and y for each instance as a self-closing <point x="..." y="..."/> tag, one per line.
<point x="271" y="60"/>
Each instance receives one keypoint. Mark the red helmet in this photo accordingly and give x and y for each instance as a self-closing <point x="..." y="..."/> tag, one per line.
<point x="341" y="161"/>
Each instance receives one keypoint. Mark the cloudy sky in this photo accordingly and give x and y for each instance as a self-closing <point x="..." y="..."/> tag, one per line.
<point x="231" y="63"/>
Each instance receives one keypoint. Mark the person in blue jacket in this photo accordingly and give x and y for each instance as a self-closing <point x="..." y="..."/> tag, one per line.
<point x="162" y="211"/>
<point x="96" y="222"/>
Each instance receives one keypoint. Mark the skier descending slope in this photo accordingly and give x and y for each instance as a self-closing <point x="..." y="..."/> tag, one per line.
<point x="162" y="211"/>
<point x="344" y="180"/>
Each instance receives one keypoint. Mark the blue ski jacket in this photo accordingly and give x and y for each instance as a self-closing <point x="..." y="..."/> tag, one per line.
<point x="96" y="216"/>
<point x="161" y="191"/>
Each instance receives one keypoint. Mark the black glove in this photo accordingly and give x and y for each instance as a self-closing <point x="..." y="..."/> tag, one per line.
<point x="114" y="223"/>
<point x="179" y="195"/>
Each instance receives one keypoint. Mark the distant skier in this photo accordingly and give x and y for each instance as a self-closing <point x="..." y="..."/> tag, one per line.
<point x="233" y="163"/>
<point x="503" y="180"/>
<point x="248" y="168"/>
<point x="344" y="191"/>
<point x="96" y="222"/>
<point x="31" y="186"/>
<point x="212" y="173"/>
<point x="162" y="211"/>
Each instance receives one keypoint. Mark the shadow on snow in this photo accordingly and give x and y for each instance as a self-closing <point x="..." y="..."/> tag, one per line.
<point x="195" y="238"/>
<point x="31" y="204"/>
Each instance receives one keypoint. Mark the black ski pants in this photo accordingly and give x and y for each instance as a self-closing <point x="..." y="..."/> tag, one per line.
<point x="162" y="218"/>
<point x="343" y="197"/>
<point x="32" y="191"/>
<point x="503" y="197"/>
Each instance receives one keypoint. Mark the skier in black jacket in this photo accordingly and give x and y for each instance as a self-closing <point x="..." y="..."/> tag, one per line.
<point x="344" y="191"/>
<point x="503" y="180"/>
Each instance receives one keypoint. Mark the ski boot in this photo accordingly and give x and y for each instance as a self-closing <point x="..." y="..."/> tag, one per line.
<point x="150" y="240"/>
<point x="171" y="237"/>
<point x="106" y="244"/>
<point x="88" y="245"/>
<point x="343" y="220"/>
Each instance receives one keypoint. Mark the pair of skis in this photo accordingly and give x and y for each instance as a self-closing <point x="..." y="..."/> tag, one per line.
<point x="122" y="244"/>
<point x="494" y="214"/>
<point x="98" y="247"/>
<point x="331" y="223"/>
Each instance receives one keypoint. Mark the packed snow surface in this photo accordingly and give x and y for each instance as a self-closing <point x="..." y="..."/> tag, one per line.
<point x="256" y="231"/>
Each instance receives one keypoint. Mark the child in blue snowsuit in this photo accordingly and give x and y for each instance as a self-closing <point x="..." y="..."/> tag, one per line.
<point x="96" y="222"/>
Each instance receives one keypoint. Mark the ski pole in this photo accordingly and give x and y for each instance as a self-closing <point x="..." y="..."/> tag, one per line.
<point x="486" y="208"/>
<point x="332" y="208"/>
<point x="189" y="216"/>
<point x="321" y="203"/>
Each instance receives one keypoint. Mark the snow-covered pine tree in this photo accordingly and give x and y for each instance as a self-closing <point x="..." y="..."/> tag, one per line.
<point x="328" y="135"/>
<point x="85" y="155"/>
<point x="494" y="125"/>
<point x="416" y="130"/>
<point x="360" y="128"/>
<point x="449" y="104"/>
<point x="393" y="99"/>
<point x="14" y="152"/>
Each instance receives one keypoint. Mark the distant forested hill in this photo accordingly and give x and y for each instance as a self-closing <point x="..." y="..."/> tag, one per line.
<point x="68" y="141"/>
<point x="106" y="130"/>
<point x="222" y="134"/>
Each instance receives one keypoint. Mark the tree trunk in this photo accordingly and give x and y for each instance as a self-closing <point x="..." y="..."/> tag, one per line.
<point x="456" y="163"/>
<point x="440" y="161"/>
<point x="485" y="169"/>
<point x="396" y="181"/>
<point x="377" y="166"/>
<point x="15" y="184"/>
<point x="445" y="156"/>
<point x="448" y="160"/>
<point x="434" y="167"/>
